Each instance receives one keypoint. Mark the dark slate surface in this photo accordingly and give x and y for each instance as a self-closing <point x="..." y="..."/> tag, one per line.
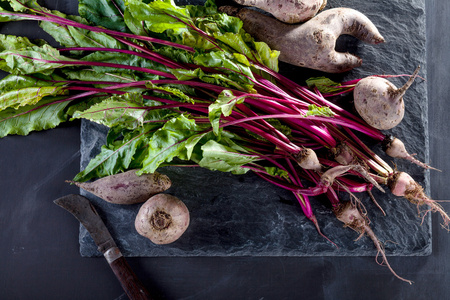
<point x="245" y="216"/>
<point x="39" y="242"/>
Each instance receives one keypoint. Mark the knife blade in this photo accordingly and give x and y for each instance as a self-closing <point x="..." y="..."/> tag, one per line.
<point x="82" y="209"/>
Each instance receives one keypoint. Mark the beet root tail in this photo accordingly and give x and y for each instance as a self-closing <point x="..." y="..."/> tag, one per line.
<point x="316" y="224"/>
<point x="411" y="158"/>
<point x="434" y="207"/>
<point x="418" y="197"/>
<point x="380" y="249"/>
<point x="350" y="215"/>
<point x="372" y="197"/>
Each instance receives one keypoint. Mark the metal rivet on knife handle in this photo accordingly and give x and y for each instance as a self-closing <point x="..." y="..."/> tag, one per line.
<point x="112" y="254"/>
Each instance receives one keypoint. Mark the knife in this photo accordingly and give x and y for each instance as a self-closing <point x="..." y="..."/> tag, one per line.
<point x="85" y="212"/>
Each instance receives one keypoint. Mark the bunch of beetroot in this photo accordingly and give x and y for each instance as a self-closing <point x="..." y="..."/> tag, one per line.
<point x="189" y="86"/>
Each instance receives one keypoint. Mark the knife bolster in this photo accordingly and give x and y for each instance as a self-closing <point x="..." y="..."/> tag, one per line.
<point x="112" y="254"/>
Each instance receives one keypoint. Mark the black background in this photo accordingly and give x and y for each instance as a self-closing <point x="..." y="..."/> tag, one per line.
<point x="39" y="246"/>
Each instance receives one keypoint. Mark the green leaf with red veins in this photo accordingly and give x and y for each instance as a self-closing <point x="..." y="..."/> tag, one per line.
<point x="323" y="111"/>
<point x="69" y="36"/>
<point x="118" y="156"/>
<point x="21" y="6"/>
<point x="222" y="106"/>
<point x="28" y="96"/>
<point x="11" y="42"/>
<point x="32" y="60"/>
<point x="14" y="82"/>
<point x="175" y="92"/>
<point x="92" y="75"/>
<point x="46" y="114"/>
<point x="324" y="84"/>
<point x="157" y="15"/>
<point x="219" y="157"/>
<point x="125" y="110"/>
<point x="226" y="63"/>
<point x="106" y="13"/>
<point x="169" y="142"/>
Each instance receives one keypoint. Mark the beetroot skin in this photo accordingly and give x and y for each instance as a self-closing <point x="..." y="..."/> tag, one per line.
<point x="379" y="102"/>
<point x="350" y="215"/>
<point x="293" y="11"/>
<point x="127" y="187"/>
<point x="403" y="185"/>
<point x="163" y="219"/>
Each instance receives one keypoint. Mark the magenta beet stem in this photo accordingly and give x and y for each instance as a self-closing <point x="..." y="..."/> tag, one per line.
<point x="60" y="20"/>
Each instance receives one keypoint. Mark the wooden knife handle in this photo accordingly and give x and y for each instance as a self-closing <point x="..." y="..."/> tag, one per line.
<point x="129" y="281"/>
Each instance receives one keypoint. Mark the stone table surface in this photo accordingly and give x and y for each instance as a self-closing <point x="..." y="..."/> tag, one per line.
<point x="39" y="242"/>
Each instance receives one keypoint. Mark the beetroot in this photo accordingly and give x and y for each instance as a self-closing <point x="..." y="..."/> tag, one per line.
<point x="311" y="44"/>
<point x="396" y="148"/>
<point x="379" y="102"/>
<point x="403" y="185"/>
<point x="127" y="187"/>
<point x="349" y="214"/>
<point x="343" y="154"/>
<point x="162" y="219"/>
<point x="330" y="175"/>
<point x="294" y="11"/>
<point x="307" y="159"/>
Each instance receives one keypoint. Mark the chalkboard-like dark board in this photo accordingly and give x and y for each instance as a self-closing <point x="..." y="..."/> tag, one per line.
<point x="246" y="216"/>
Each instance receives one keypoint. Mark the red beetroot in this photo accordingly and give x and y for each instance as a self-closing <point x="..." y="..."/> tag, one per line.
<point x="396" y="148"/>
<point x="330" y="175"/>
<point x="343" y="154"/>
<point x="163" y="219"/>
<point x="127" y="187"/>
<point x="288" y="11"/>
<point x="402" y="184"/>
<point x="379" y="102"/>
<point x="307" y="159"/>
<point x="328" y="178"/>
<point x="349" y="214"/>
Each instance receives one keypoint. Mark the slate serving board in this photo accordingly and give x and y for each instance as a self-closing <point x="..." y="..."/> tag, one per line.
<point x="246" y="216"/>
